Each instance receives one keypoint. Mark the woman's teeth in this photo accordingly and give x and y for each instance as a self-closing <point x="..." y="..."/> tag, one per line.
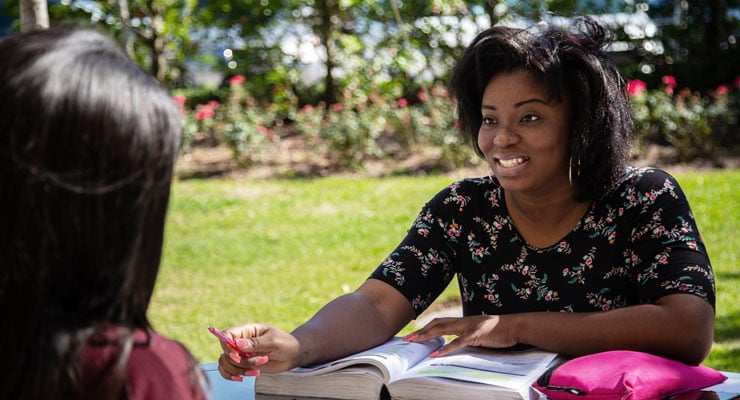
<point x="513" y="162"/>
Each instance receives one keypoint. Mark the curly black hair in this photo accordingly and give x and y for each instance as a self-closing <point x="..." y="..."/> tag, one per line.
<point x="572" y="63"/>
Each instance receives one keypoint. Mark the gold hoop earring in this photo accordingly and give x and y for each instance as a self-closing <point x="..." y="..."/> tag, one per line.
<point x="570" y="170"/>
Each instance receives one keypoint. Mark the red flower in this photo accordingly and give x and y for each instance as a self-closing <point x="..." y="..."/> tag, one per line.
<point x="307" y="108"/>
<point x="180" y="99"/>
<point x="204" y="111"/>
<point x="722" y="89"/>
<point x="636" y="87"/>
<point x="669" y="81"/>
<point x="422" y="96"/>
<point x="236" y="80"/>
<point x="402" y="102"/>
<point x="337" y="107"/>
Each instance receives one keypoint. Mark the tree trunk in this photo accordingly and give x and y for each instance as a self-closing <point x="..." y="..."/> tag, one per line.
<point x="490" y="7"/>
<point x="34" y="15"/>
<point x="156" y="41"/>
<point x="326" y="11"/>
<point x="127" y="32"/>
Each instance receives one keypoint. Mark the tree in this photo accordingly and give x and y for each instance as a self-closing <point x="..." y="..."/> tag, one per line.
<point x="701" y="41"/>
<point x="34" y="15"/>
<point x="155" y="33"/>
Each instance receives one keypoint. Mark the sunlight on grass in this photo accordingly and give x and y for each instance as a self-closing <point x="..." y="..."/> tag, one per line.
<point x="275" y="251"/>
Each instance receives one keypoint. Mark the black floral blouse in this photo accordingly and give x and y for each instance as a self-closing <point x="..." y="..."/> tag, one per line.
<point x="638" y="244"/>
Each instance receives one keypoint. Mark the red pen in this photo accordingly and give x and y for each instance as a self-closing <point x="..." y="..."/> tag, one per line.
<point x="228" y="340"/>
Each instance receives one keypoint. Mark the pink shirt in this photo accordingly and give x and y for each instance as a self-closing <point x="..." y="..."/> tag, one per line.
<point x="158" y="367"/>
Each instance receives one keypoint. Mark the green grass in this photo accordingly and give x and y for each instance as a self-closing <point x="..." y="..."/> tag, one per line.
<point x="275" y="251"/>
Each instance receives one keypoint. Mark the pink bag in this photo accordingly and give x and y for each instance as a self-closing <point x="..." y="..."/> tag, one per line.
<point x="624" y="375"/>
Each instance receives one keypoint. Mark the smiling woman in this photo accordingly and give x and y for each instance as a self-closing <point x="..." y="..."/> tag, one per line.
<point x="563" y="247"/>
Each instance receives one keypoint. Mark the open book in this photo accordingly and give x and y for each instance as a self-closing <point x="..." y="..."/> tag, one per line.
<point x="401" y="370"/>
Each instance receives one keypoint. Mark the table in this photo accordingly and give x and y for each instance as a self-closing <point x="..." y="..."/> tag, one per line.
<point x="221" y="389"/>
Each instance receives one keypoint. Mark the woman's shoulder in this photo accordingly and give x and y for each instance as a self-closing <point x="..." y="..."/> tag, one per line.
<point x="468" y="190"/>
<point x="645" y="179"/>
<point x="644" y="185"/>
<point x="152" y="348"/>
<point x="160" y="367"/>
<point x="157" y="367"/>
<point x="473" y="185"/>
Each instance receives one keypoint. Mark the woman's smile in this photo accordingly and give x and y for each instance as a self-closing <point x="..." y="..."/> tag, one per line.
<point x="525" y="134"/>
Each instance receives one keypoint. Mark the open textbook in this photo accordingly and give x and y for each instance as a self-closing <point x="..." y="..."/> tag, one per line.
<point x="401" y="370"/>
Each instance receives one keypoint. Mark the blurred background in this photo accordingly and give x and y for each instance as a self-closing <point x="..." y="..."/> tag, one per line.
<point x="365" y="80"/>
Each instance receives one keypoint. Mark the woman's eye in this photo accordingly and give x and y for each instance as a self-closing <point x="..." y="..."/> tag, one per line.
<point x="488" y="121"/>
<point x="530" y="118"/>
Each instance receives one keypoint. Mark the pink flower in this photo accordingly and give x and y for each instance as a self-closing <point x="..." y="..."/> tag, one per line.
<point x="337" y="107"/>
<point x="736" y="82"/>
<point x="439" y="91"/>
<point x="307" y="108"/>
<point x="236" y="80"/>
<point x="722" y="90"/>
<point x="422" y="96"/>
<point x="669" y="81"/>
<point x="180" y="99"/>
<point x="204" y="114"/>
<point x="636" y="87"/>
<point x="205" y="111"/>
<point x="402" y="102"/>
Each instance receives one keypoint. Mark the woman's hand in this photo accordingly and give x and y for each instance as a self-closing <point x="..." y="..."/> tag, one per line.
<point x="270" y="349"/>
<point x="493" y="331"/>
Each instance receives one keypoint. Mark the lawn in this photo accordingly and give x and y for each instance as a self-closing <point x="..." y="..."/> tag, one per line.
<point x="276" y="250"/>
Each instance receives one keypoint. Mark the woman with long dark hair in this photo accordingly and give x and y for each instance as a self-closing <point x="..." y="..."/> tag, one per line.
<point x="88" y="143"/>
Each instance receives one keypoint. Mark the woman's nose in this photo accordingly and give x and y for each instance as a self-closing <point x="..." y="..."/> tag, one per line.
<point x="505" y="137"/>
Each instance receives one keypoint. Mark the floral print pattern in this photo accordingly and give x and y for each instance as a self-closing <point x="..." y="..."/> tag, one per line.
<point x="634" y="246"/>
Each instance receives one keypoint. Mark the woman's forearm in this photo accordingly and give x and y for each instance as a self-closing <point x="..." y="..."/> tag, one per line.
<point x="677" y="326"/>
<point x="352" y="323"/>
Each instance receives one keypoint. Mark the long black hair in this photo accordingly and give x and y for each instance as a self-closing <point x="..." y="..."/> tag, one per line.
<point x="88" y="143"/>
<point x="572" y="64"/>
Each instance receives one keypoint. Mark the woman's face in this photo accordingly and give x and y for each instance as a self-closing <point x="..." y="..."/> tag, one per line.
<point x="525" y="136"/>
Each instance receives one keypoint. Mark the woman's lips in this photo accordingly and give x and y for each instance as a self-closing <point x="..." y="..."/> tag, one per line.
<point x="511" y="162"/>
<point x="509" y="166"/>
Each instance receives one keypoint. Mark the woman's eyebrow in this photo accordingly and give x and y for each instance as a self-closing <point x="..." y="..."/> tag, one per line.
<point x="516" y="105"/>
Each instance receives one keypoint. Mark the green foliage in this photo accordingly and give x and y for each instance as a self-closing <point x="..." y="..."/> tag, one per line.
<point x="375" y="123"/>
<point x="275" y="251"/>
<point x="367" y="126"/>
<point x="202" y="95"/>
<point x="700" y="40"/>
<point x="696" y="125"/>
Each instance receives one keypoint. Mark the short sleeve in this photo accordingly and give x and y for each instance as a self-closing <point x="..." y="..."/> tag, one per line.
<point x="421" y="266"/>
<point x="666" y="249"/>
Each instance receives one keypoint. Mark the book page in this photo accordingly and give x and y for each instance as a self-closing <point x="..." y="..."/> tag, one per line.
<point x="392" y="358"/>
<point x="509" y="369"/>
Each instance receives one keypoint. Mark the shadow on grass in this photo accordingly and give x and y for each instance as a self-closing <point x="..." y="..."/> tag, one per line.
<point x="725" y="355"/>
<point x="727" y="328"/>
<point x="724" y="359"/>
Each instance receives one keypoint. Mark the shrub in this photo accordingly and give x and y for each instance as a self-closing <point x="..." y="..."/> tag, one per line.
<point x="372" y="125"/>
<point x="696" y="124"/>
